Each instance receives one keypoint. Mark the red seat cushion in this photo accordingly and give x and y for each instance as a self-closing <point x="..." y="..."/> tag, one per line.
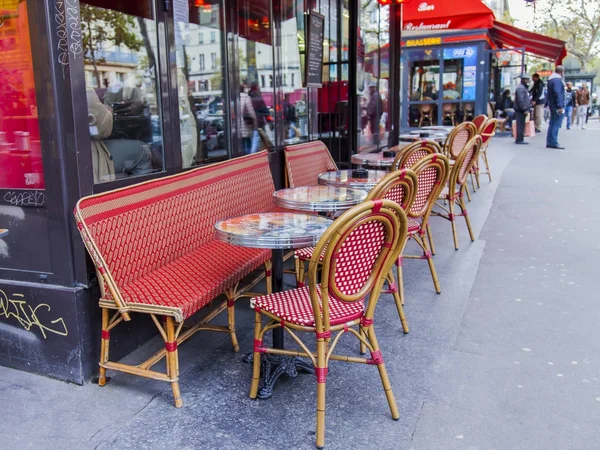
<point x="294" y="306"/>
<point x="188" y="283"/>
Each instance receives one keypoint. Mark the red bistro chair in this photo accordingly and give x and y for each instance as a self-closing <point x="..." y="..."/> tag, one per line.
<point x="358" y="250"/>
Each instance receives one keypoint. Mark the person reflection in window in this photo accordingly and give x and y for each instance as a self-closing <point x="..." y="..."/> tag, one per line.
<point x="113" y="157"/>
<point x="248" y="121"/>
<point x="429" y="92"/>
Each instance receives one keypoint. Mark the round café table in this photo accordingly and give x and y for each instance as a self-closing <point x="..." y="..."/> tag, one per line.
<point x="440" y="138"/>
<point x="277" y="231"/>
<point x="344" y="178"/>
<point x="373" y="160"/>
<point x="3" y="232"/>
<point x="321" y="198"/>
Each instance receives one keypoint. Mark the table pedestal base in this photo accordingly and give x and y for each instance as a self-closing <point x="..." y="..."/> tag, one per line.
<point x="273" y="367"/>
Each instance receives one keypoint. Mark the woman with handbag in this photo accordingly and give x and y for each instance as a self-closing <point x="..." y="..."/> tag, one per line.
<point x="248" y="120"/>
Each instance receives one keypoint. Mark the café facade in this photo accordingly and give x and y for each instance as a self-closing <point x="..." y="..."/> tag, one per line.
<point x="101" y="94"/>
<point x="97" y="95"/>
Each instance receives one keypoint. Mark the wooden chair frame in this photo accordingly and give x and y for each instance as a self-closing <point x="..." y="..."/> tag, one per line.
<point x="427" y="146"/>
<point x="406" y="180"/>
<point x="393" y="218"/>
<point x="456" y="185"/>
<point x="426" y="112"/>
<point x="487" y="133"/>
<point x="422" y="236"/>
<point x="449" y="112"/>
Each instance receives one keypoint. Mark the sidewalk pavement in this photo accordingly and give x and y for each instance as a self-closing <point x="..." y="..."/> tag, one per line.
<point x="506" y="357"/>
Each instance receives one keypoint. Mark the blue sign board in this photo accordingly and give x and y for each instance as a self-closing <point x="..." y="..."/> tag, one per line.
<point x="469" y="55"/>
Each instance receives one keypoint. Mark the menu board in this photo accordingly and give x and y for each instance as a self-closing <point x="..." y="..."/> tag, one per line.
<point x="314" y="50"/>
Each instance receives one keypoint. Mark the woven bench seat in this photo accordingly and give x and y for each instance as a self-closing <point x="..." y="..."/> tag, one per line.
<point x="189" y="283"/>
<point x="154" y="250"/>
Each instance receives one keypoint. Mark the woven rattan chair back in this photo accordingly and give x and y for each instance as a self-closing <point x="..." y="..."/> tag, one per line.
<point x="304" y="162"/>
<point x="457" y="139"/>
<point x="488" y="131"/>
<point x="432" y="173"/>
<point x="464" y="163"/>
<point x="480" y="122"/>
<point x="399" y="186"/>
<point x="359" y="248"/>
<point x="414" y="153"/>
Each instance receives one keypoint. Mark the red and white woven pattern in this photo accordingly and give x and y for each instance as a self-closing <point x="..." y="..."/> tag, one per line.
<point x="478" y="121"/>
<point x="192" y="281"/>
<point x="458" y="143"/>
<point x="148" y="226"/>
<point x="397" y="194"/>
<point x="413" y="226"/>
<point x="462" y="174"/>
<point x="415" y="157"/>
<point x="426" y="183"/>
<point x="357" y="255"/>
<point x="294" y="306"/>
<point x="304" y="163"/>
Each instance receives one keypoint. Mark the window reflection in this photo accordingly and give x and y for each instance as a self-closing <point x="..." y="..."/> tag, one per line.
<point x="373" y="74"/>
<point x="256" y="101"/>
<point x="295" y="105"/>
<point x="20" y="149"/>
<point x="122" y="94"/>
<point x="200" y="76"/>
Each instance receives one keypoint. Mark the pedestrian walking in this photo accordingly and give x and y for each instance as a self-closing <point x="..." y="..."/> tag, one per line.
<point x="522" y="107"/>
<point x="556" y="103"/>
<point x="538" y="100"/>
<point x="374" y="110"/>
<point x="583" y="103"/>
<point x="570" y="104"/>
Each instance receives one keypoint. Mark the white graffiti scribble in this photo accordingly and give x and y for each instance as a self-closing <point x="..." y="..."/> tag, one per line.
<point x="74" y="28"/>
<point x="25" y="198"/>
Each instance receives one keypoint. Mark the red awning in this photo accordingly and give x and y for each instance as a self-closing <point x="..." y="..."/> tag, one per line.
<point x="433" y="15"/>
<point x="536" y="44"/>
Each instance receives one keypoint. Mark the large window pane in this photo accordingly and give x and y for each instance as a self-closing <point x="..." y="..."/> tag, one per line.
<point x="121" y="63"/>
<point x="200" y="82"/>
<point x="256" y="101"/>
<point x="20" y="149"/>
<point x="373" y="74"/>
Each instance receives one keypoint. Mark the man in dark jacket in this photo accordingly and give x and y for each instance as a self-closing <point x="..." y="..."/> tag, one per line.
<point x="556" y="103"/>
<point x="538" y="100"/>
<point x="522" y="107"/>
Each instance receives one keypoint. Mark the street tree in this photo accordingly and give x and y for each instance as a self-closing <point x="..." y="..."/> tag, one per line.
<point x="100" y="26"/>
<point x="577" y="22"/>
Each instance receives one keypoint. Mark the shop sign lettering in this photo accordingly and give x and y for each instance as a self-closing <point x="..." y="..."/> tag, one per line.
<point x="31" y="317"/>
<point x="423" y="42"/>
<point x="425" y="7"/>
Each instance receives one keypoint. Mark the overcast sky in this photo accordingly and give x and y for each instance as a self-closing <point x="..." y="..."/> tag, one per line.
<point x="522" y="13"/>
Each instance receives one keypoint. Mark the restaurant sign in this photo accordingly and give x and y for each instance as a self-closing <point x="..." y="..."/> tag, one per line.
<point x="423" y="42"/>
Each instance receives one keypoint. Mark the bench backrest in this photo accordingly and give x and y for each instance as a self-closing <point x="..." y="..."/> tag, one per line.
<point x="304" y="162"/>
<point x="131" y="232"/>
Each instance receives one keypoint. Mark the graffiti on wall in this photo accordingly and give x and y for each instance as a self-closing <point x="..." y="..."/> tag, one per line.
<point x="15" y="308"/>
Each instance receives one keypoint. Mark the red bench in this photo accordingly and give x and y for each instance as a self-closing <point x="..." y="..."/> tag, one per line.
<point x="154" y="251"/>
<point x="304" y="162"/>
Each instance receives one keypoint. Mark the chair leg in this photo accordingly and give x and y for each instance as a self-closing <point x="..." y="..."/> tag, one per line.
<point x="430" y="238"/>
<point x="173" y="361"/>
<point x="473" y="181"/>
<point x="256" y="356"/>
<point x="268" y="276"/>
<point x="398" y="297"/>
<point x="487" y="165"/>
<point x="104" y="345"/>
<point x="385" y="380"/>
<point x="230" y="294"/>
<point x="300" y="272"/>
<point x="321" y="372"/>
<point x="400" y="278"/>
<point x="427" y="255"/>
<point x="468" y="193"/>
<point x="451" y="206"/>
<point x="463" y="208"/>
<point x="421" y="121"/>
